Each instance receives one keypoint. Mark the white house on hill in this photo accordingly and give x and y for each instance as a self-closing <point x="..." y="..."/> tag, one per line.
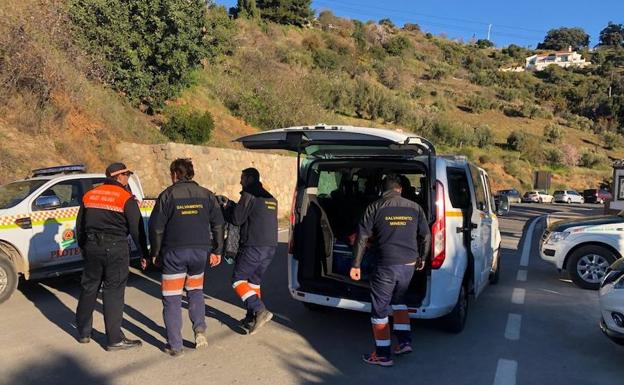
<point x="563" y="59"/>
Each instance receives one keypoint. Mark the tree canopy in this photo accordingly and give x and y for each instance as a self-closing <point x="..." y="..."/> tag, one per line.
<point x="291" y="12"/>
<point x="612" y="34"/>
<point x="562" y="38"/>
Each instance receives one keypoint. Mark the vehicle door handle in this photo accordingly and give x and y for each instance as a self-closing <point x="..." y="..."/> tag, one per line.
<point x="470" y="227"/>
<point x="24" y="223"/>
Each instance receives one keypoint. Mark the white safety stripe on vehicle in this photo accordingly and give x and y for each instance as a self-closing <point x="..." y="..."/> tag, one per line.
<point x="382" y="342"/>
<point x="401" y="327"/>
<point x="399" y="307"/>
<point x="379" y="321"/>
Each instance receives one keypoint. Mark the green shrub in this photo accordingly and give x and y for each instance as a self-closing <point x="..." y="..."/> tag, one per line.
<point x="591" y="159"/>
<point x="517" y="139"/>
<point x="478" y="103"/>
<point x="439" y="71"/>
<point x="452" y="134"/>
<point x="553" y="133"/>
<point x="188" y="127"/>
<point x="326" y="59"/>
<point x="508" y="94"/>
<point x="396" y="45"/>
<point x="150" y="46"/>
<point x="611" y="140"/>
<point x="554" y="157"/>
<point x="483" y="136"/>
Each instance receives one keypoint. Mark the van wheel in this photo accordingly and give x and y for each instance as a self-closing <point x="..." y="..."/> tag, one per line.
<point x="8" y="279"/>
<point x="495" y="275"/>
<point x="588" y="265"/>
<point x="455" y="321"/>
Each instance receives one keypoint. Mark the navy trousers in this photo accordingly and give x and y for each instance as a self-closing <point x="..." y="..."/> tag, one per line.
<point x="251" y="264"/>
<point x="183" y="269"/>
<point x="388" y="287"/>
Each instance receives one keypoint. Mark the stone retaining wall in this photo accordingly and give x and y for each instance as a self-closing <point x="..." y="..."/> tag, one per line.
<point x="217" y="169"/>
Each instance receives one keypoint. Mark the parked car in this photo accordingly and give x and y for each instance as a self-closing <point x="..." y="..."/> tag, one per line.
<point x="568" y="196"/>
<point x="513" y="195"/>
<point x="612" y="303"/>
<point x="584" y="247"/>
<point x="537" y="196"/>
<point x="594" y="195"/>
<point x="340" y="174"/>
<point x="38" y="220"/>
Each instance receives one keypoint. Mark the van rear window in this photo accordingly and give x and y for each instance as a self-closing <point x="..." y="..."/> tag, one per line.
<point x="459" y="190"/>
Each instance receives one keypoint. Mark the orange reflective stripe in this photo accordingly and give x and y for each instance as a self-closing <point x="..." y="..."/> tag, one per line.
<point x="256" y="289"/>
<point x="381" y="331"/>
<point x="173" y="284"/>
<point x="243" y="290"/>
<point x="194" y="282"/>
<point x="401" y="317"/>
<point x="107" y="197"/>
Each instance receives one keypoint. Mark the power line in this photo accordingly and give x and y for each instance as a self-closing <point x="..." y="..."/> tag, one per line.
<point x="352" y="11"/>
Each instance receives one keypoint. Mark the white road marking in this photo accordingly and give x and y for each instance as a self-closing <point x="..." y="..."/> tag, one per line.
<point x="512" y="330"/>
<point x="506" y="372"/>
<point x="528" y="242"/>
<point x="517" y="297"/>
<point x="521" y="276"/>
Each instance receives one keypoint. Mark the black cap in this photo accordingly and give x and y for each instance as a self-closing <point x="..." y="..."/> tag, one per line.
<point x="115" y="169"/>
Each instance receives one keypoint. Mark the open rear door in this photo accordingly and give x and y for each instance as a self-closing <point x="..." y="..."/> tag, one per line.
<point x="319" y="140"/>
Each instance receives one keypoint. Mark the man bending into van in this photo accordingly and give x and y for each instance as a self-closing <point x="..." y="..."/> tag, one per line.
<point x="399" y="226"/>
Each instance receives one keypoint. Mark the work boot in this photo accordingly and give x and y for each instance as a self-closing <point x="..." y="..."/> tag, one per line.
<point x="403" y="348"/>
<point x="124" y="344"/>
<point x="374" y="359"/>
<point x="83" y="340"/>
<point x="261" y="318"/>
<point x="200" y="340"/>
<point x="247" y="321"/>
<point x="173" y="352"/>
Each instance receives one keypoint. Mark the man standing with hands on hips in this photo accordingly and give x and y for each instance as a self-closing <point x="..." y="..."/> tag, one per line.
<point x="185" y="229"/>
<point x="403" y="241"/>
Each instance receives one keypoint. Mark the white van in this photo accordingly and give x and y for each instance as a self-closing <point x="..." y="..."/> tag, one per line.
<point x="339" y="174"/>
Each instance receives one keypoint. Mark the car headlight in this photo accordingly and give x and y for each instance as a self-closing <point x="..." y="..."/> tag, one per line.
<point x="558" y="237"/>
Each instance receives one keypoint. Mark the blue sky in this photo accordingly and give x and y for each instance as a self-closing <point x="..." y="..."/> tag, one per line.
<point x="524" y="23"/>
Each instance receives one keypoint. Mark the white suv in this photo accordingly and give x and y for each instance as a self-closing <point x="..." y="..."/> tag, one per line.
<point x="568" y="196"/>
<point x="340" y="170"/>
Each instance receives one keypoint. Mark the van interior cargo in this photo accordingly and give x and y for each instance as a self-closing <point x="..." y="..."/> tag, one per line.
<point x="335" y="196"/>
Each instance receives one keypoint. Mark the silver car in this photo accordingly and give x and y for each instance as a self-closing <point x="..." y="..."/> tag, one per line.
<point x="568" y="196"/>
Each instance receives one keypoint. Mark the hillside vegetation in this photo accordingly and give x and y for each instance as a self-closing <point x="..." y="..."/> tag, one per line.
<point x="66" y="100"/>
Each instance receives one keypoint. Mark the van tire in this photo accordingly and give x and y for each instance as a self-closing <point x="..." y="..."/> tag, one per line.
<point x="495" y="275"/>
<point x="8" y="278"/>
<point x="455" y="321"/>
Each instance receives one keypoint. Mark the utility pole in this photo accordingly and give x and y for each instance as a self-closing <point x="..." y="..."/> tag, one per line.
<point x="489" y="31"/>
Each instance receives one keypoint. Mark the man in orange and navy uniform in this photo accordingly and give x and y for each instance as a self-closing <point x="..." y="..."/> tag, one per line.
<point x="186" y="229"/>
<point x="399" y="227"/>
<point x="107" y="215"/>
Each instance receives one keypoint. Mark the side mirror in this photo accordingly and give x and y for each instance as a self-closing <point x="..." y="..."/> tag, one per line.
<point x="49" y="202"/>
<point x="502" y="205"/>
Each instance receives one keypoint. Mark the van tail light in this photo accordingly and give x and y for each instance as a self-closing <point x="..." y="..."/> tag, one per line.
<point x="291" y="241"/>
<point x="438" y="231"/>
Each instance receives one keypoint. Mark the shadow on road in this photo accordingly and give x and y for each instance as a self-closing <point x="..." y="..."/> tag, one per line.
<point x="61" y="369"/>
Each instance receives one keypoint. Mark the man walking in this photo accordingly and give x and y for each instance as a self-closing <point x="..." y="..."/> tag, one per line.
<point x="256" y="214"/>
<point x="107" y="215"/>
<point x="185" y="229"/>
<point x="400" y="229"/>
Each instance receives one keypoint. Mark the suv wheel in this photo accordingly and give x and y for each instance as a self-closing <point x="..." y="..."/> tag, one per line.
<point x="455" y="321"/>
<point x="588" y="265"/>
<point x="8" y="279"/>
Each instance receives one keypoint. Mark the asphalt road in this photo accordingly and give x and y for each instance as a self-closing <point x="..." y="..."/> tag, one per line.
<point x="534" y="327"/>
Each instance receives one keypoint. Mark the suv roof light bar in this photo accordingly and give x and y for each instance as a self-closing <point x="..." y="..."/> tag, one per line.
<point x="68" y="169"/>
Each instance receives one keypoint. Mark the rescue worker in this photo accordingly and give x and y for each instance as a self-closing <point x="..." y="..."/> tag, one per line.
<point x="256" y="214"/>
<point x="399" y="227"/>
<point x="107" y="214"/>
<point x="185" y="230"/>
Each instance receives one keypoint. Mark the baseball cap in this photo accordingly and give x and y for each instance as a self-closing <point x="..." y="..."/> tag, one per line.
<point x="117" y="168"/>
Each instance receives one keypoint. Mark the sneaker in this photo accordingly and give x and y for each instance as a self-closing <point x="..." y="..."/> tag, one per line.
<point x="403" y="348"/>
<point x="200" y="340"/>
<point x="173" y="352"/>
<point x="374" y="359"/>
<point x="261" y="319"/>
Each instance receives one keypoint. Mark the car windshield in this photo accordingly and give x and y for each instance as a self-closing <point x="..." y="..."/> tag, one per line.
<point x="13" y="193"/>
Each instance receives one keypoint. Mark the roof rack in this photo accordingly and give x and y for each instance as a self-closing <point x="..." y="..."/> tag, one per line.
<point x="68" y="169"/>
